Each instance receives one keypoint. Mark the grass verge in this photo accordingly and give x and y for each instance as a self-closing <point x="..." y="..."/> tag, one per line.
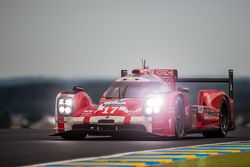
<point x="230" y="160"/>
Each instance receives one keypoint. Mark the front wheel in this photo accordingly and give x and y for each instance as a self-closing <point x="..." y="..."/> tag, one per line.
<point x="179" y="118"/>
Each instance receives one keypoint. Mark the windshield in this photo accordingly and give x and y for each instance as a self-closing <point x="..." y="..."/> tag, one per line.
<point x="136" y="90"/>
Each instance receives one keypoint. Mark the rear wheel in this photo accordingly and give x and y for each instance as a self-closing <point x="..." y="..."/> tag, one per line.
<point x="179" y="118"/>
<point x="76" y="136"/>
<point x="224" y="122"/>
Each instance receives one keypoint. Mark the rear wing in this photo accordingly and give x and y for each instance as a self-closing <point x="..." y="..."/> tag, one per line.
<point x="228" y="80"/>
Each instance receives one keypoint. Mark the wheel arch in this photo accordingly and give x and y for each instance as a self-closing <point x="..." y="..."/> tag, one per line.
<point x="212" y="98"/>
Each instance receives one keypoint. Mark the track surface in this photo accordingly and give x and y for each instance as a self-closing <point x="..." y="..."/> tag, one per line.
<point x="26" y="146"/>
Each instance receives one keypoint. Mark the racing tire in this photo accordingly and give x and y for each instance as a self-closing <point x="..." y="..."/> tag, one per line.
<point x="224" y="122"/>
<point x="76" y="136"/>
<point x="179" y="118"/>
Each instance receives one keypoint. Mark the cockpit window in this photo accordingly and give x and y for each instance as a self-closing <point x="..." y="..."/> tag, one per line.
<point x="136" y="90"/>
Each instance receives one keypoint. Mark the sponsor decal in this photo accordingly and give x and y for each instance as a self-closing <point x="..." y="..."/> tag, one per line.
<point x="200" y="109"/>
<point x="114" y="103"/>
<point x="209" y="114"/>
<point x="88" y="111"/>
<point x="164" y="72"/>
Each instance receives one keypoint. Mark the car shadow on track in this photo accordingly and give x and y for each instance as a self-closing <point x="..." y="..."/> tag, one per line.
<point x="141" y="138"/>
<point x="147" y="138"/>
<point x="150" y="138"/>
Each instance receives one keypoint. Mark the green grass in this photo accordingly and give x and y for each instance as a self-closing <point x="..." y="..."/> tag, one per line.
<point x="231" y="160"/>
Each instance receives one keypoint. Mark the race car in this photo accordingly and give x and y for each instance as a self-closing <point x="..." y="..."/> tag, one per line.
<point x="146" y="102"/>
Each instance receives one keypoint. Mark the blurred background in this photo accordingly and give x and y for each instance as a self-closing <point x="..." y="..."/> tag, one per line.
<point x="50" y="46"/>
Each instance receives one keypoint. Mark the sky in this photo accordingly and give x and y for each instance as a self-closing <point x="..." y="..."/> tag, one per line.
<point x="98" y="38"/>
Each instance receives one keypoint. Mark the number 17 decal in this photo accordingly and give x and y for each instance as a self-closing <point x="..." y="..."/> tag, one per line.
<point x="111" y="109"/>
<point x="106" y="110"/>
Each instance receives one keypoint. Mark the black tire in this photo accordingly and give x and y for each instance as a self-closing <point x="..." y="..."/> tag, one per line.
<point x="224" y="121"/>
<point x="179" y="118"/>
<point x="75" y="136"/>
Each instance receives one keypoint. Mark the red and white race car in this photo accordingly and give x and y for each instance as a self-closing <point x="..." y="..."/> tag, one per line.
<point x="146" y="102"/>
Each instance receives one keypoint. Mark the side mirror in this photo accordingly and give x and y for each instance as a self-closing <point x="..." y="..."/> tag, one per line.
<point x="124" y="73"/>
<point x="184" y="90"/>
<point x="77" y="88"/>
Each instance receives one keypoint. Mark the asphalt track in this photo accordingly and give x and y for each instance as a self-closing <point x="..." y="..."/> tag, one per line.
<point x="164" y="157"/>
<point x="26" y="146"/>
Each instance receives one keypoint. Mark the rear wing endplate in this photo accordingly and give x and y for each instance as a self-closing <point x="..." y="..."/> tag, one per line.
<point x="228" y="80"/>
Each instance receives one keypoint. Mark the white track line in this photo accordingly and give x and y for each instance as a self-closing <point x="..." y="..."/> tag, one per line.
<point x="123" y="154"/>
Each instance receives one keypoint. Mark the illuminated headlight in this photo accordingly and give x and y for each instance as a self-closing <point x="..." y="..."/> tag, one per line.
<point x="61" y="102"/>
<point x="153" y="105"/>
<point x="69" y="102"/>
<point x="61" y="109"/>
<point x="67" y="110"/>
<point x="65" y="106"/>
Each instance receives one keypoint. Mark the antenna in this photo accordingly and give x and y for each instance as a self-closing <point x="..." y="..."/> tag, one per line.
<point x="143" y="61"/>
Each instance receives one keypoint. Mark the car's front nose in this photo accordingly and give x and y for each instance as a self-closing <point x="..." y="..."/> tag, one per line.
<point x="105" y="123"/>
<point x="117" y="115"/>
<point x="122" y="122"/>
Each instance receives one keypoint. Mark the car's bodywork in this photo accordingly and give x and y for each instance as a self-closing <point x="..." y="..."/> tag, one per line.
<point x="146" y="101"/>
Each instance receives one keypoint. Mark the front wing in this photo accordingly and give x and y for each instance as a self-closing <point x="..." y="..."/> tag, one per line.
<point x="103" y="125"/>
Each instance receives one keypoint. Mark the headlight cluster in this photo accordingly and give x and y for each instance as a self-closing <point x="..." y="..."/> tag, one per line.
<point x="65" y="106"/>
<point x="153" y="105"/>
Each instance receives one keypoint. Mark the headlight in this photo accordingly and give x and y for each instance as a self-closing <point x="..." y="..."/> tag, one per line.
<point x="65" y="106"/>
<point x="61" y="102"/>
<point x="68" y="102"/>
<point x="153" y="105"/>
<point x="67" y="110"/>
<point x="61" y="109"/>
